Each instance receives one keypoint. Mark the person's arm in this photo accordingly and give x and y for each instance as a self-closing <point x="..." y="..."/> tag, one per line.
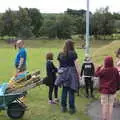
<point x="54" y="69"/>
<point x="82" y="69"/>
<point x="74" y="57"/>
<point x="20" y="64"/>
<point x="77" y="67"/>
<point x="22" y="59"/>
<point x="99" y="71"/>
<point x="49" y="69"/>
<point x="118" y="80"/>
<point x="93" y="69"/>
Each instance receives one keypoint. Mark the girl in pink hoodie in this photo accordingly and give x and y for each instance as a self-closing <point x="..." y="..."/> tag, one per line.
<point x="109" y="84"/>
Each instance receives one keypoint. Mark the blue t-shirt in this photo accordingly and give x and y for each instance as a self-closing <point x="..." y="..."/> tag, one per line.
<point x="21" y="54"/>
<point x="67" y="60"/>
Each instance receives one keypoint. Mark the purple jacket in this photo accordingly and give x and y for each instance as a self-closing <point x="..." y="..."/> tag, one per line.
<point x="68" y="78"/>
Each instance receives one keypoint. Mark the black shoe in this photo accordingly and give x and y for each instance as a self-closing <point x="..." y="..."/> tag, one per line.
<point x="72" y="111"/>
<point x="87" y="96"/>
<point x="92" y="96"/>
<point x="63" y="109"/>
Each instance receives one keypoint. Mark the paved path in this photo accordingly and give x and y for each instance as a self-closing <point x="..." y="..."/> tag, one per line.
<point x="94" y="111"/>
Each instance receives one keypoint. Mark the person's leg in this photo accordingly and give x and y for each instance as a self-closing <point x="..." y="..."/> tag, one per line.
<point x="56" y="100"/>
<point x="104" y="112"/>
<point x="111" y="101"/>
<point x="104" y="107"/>
<point x="91" y="87"/>
<point x="72" y="100"/>
<point x="86" y="87"/>
<point x="110" y="112"/>
<point x="50" y="92"/>
<point x="64" y="99"/>
<point x="56" y="91"/>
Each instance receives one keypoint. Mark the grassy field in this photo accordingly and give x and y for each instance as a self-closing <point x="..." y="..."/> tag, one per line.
<point x="106" y="50"/>
<point x="37" y="99"/>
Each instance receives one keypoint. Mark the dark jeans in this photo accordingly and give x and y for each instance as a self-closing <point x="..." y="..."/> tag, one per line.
<point x="88" y="85"/>
<point x="51" y="89"/>
<point x="65" y="92"/>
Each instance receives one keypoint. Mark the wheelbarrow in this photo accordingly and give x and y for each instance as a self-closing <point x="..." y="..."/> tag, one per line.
<point x="10" y="98"/>
<point x="11" y="103"/>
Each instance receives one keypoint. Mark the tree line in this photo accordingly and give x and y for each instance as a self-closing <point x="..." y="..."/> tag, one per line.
<point x="30" y="22"/>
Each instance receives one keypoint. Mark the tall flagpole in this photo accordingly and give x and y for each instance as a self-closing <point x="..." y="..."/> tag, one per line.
<point x="87" y="30"/>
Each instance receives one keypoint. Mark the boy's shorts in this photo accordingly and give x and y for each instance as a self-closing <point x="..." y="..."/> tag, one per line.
<point x="107" y="98"/>
<point x="22" y="69"/>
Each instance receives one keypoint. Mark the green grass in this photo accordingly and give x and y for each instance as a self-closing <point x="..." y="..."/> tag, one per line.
<point x="37" y="99"/>
<point x="106" y="50"/>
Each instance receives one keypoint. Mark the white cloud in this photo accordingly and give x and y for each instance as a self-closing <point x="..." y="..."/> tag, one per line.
<point x="59" y="5"/>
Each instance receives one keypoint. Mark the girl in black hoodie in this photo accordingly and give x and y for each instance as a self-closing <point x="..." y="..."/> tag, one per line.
<point x="51" y="71"/>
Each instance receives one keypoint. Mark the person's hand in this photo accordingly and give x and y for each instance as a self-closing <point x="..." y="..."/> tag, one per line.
<point x="101" y="67"/>
<point x="80" y="77"/>
<point x="18" y="70"/>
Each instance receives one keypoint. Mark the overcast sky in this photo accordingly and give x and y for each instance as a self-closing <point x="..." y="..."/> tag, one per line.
<point x="57" y="6"/>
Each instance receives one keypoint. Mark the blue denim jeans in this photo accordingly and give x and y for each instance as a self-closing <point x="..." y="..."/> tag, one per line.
<point x="65" y="92"/>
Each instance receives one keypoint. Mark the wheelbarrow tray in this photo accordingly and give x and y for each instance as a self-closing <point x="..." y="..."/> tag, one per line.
<point x="6" y="99"/>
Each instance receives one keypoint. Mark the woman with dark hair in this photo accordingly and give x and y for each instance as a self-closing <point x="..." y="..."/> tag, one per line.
<point x="68" y="76"/>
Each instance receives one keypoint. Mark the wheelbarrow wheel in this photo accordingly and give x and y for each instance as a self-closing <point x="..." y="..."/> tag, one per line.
<point x="15" y="110"/>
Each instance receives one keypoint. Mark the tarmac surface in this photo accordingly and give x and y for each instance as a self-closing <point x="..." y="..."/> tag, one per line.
<point x="94" y="111"/>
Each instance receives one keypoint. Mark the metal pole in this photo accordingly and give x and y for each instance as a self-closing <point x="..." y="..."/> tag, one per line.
<point x="87" y="29"/>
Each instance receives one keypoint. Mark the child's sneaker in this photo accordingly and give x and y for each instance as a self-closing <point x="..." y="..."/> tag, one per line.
<point x="64" y="109"/>
<point x="51" y="102"/>
<point x="56" y="100"/>
<point x="72" y="111"/>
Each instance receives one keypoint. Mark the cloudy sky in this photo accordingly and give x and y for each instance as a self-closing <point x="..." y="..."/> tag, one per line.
<point x="57" y="6"/>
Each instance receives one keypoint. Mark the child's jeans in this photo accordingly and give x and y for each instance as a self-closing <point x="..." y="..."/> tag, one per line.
<point x="68" y="91"/>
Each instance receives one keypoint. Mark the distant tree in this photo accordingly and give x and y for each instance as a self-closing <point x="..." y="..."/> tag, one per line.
<point x="79" y="20"/>
<point x="64" y="27"/>
<point x="1" y="26"/>
<point x="57" y="27"/>
<point x="116" y="16"/>
<point x="79" y="25"/>
<point x="24" y="28"/>
<point x="7" y="20"/>
<point x="36" y="20"/>
<point x="102" y="22"/>
<point x="49" y="28"/>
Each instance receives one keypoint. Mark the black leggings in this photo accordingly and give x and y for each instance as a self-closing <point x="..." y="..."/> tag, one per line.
<point x="89" y="85"/>
<point x="51" y="88"/>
